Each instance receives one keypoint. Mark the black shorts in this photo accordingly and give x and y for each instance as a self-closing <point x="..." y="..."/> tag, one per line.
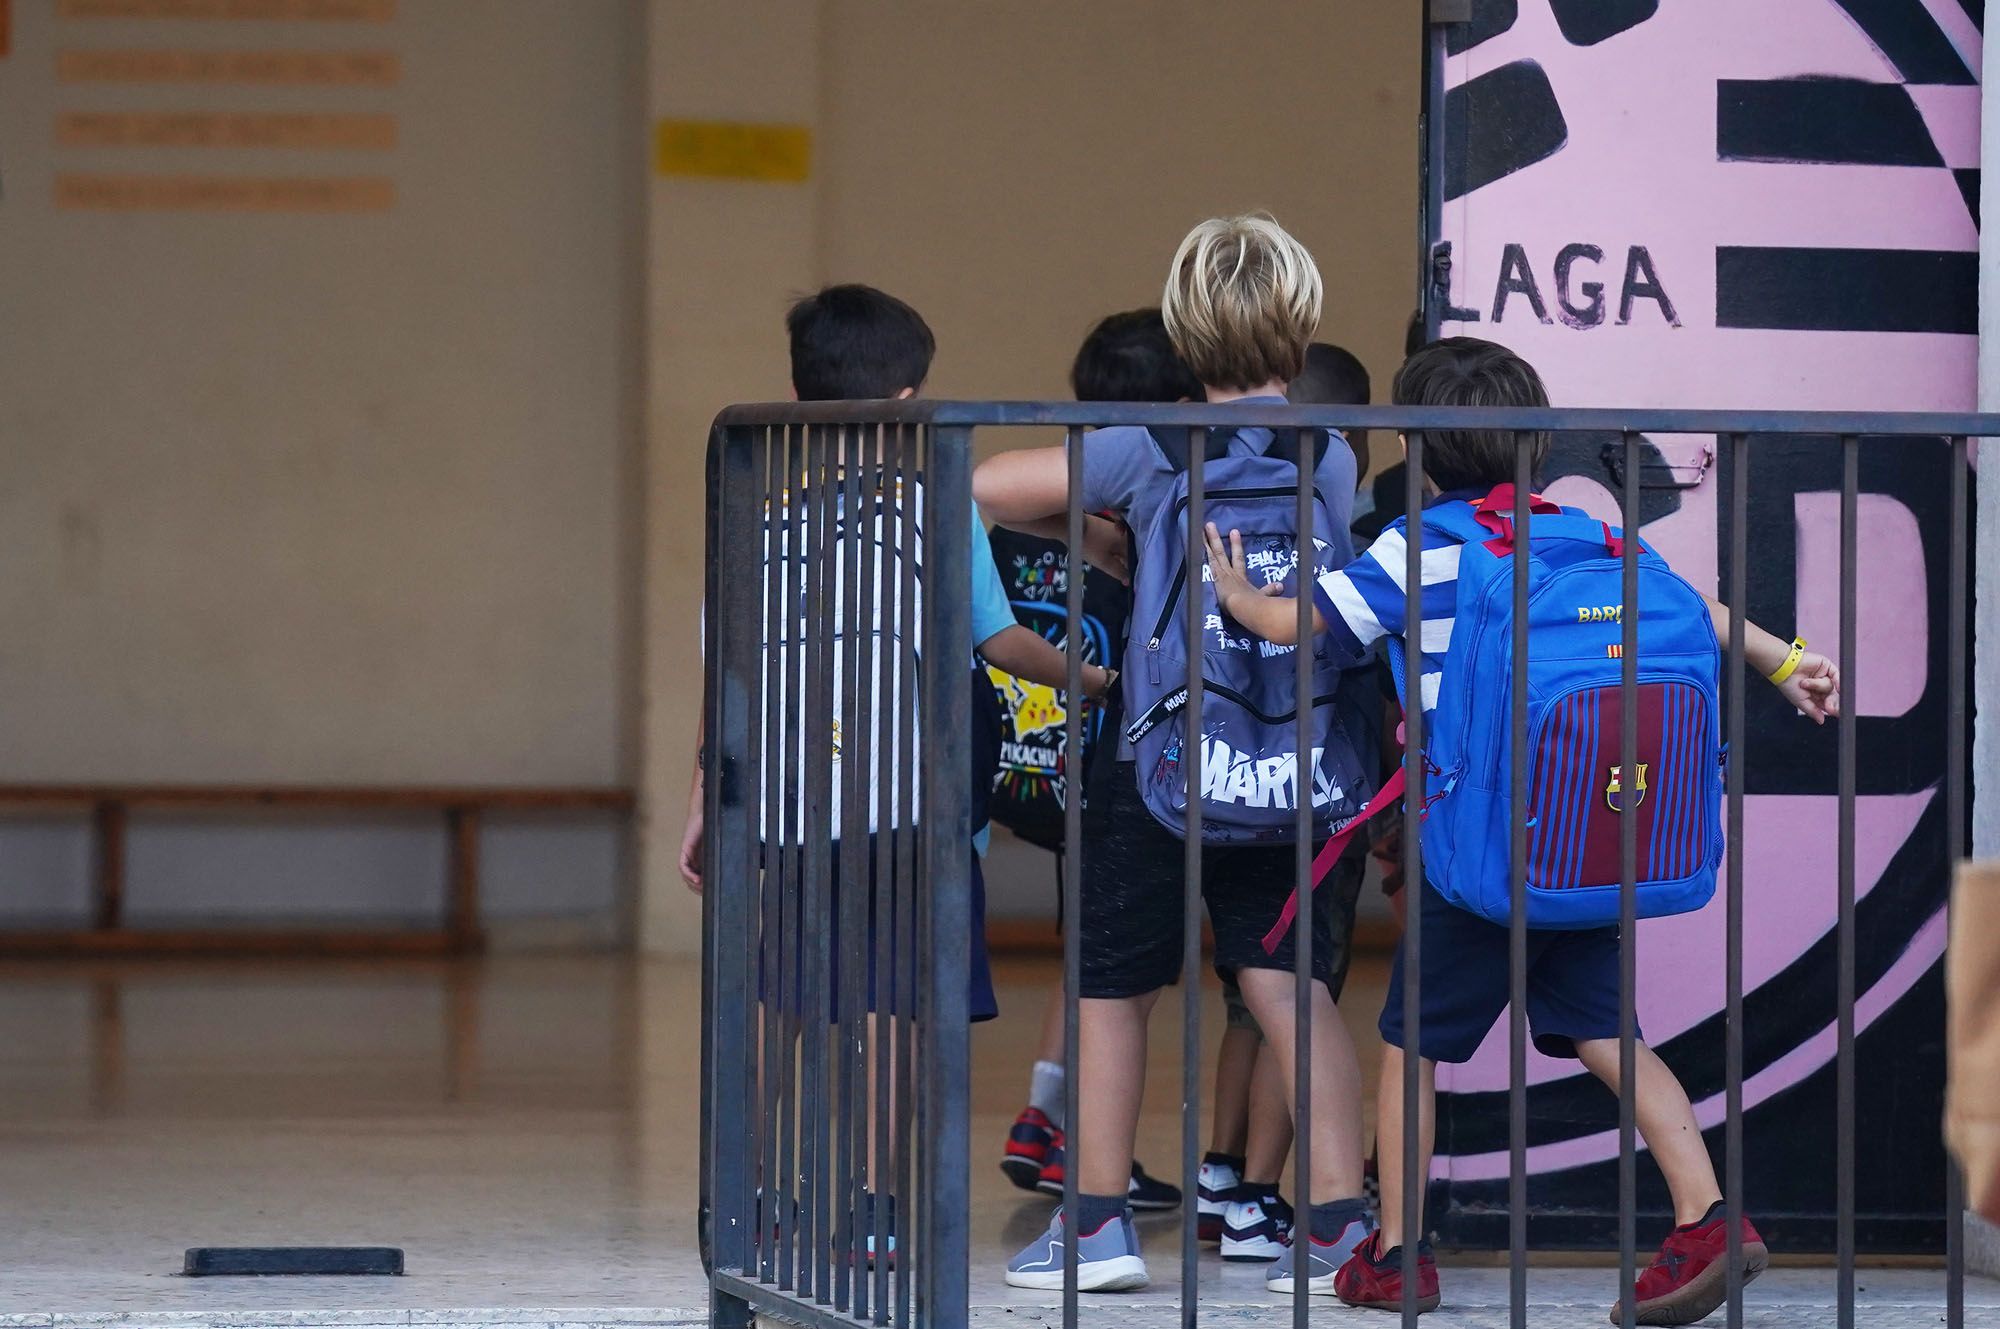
<point x="1133" y="875"/>
<point x="1572" y="984"/>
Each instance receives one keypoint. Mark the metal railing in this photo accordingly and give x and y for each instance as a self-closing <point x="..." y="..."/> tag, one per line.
<point x="836" y="1037"/>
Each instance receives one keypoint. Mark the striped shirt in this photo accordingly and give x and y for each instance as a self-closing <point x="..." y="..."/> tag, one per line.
<point x="1364" y="602"/>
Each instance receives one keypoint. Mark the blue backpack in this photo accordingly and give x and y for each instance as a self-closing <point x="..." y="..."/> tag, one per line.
<point x="1249" y="769"/>
<point x="1578" y="796"/>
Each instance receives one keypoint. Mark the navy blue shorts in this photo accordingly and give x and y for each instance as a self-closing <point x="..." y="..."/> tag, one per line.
<point x="1572" y="984"/>
<point x="981" y="1002"/>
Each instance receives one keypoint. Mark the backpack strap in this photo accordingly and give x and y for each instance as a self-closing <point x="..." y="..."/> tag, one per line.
<point x="1330" y="852"/>
<point x="1286" y="444"/>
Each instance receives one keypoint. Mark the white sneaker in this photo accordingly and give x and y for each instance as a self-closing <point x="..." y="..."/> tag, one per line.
<point x="1256" y="1229"/>
<point x="1214" y="1184"/>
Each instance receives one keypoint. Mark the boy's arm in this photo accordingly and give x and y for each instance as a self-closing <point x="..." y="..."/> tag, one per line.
<point x="1018" y="488"/>
<point x="1812" y="685"/>
<point x="1026" y="654"/>
<point x="691" y="834"/>
<point x="1104" y="545"/>
<point x="1264" y="611"/>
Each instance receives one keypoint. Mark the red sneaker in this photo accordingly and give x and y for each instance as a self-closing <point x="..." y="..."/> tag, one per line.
<point x="1028" y="1145"/>
<point x="1373" y="1277"/>
<point x="1691" y="1276"/>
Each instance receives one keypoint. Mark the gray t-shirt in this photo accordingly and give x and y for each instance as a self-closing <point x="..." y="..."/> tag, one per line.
<point x="1125" y="472"/>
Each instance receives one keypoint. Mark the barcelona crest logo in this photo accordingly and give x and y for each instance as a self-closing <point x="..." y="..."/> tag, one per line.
<point x="1614" y="790"/>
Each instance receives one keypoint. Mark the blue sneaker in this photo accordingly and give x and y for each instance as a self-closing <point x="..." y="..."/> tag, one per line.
<point x="1322" y="1259"/>
<point x="1107" y="1260"/>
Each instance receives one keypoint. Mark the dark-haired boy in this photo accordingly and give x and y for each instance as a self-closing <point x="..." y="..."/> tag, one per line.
<point x="1573" y="976"/>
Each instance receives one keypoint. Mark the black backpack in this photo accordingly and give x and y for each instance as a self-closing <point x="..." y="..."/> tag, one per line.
<point x="1032" y="774"/>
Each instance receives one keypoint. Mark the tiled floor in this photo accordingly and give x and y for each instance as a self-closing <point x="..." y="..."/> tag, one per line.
<point x="526" y="1130"/>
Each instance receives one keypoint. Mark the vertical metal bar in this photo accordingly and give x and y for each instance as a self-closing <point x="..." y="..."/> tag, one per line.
<point x="1416" y="1179"/>
<point x="948" y="834"/>
<point x="1958" y="599"/>
<point x="1739" y="603"/>
<point x="1197" y="638"/>
<point x="867" y="527"/>
<point x="851" y="895"/>
<point x="1072" y="864"/>
<point x="1517" y="911"/>
<point x="770" y="836"/>
<point x="815" y="1101"/>
<point x="732" y="698"/>
<point x="1628" y="895"/>
<point x="1305" y="772"/>
<point x="781" y="1191"/>
<point x="909" y="546"/>
<point x="1850" y="466"/>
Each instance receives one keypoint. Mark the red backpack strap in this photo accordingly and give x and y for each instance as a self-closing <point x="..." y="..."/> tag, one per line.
<point x="1329" y="854"/>
<point x="1496" y="513"/>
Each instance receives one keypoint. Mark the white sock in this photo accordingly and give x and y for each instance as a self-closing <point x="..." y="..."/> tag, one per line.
<point x="1045" y="1090"/>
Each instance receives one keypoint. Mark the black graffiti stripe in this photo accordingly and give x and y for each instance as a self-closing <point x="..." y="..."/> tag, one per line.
<point x="1507" y="118"/>
<point x="1975" y="10"/>
<point x="1490" y="18"/>
<point x="1968" y="188"/>
<point x="1905" y="32"/>
<point x="1588" y="22"/>
<point x="1847" y="290"/>
<point x="1821" y="120"/>
<point x="1778" y="1015"/>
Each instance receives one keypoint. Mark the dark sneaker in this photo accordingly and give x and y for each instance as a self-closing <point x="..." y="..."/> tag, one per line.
<point x="1691" y="1276"/>
<point x="1318" y="1262"/>
<point x="1214" y="1185"/>
<point x="1142" y="1192"/>
<point x="1373" y="1277"/>
<point x="1256" y="1227"/>
<point x="1028" y="1146"/>
<point x="1107" y="1260"/>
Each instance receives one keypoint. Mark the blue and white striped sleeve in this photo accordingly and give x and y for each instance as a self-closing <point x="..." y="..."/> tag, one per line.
<point x="1364" y="601"/>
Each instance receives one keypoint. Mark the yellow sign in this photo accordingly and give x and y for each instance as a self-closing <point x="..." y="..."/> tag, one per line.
<point x="732" y="150"/>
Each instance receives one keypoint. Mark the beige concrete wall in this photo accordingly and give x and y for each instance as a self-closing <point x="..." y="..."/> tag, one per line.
<point x="345" y="497"/>
<point x="1015" y="170"/>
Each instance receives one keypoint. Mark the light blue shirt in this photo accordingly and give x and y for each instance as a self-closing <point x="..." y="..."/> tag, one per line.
<point x="991" y="615"/>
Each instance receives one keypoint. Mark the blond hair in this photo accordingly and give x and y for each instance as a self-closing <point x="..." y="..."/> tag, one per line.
<point x="1242" y="302"/>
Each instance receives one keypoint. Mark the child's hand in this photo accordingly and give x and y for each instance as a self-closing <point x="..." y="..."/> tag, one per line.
<point x="1226" y="566"/>
<point x="1813" y="687"/>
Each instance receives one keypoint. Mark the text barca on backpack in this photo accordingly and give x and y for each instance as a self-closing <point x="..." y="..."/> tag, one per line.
<point x="1249" y="765"/>
<point x="1578" y="792"/>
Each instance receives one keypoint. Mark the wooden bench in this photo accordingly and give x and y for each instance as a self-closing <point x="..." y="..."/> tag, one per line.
<point x="109" y="806"/>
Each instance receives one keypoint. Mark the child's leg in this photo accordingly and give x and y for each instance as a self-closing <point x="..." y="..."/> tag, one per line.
<point x="1336" y="1077"/>
<point x="1389" y="1136"/>
<point x="1270" y="1121"/>
<point x="1235" y="1064"/>
<point x="1666" y="1120"/>
<point x="1111" y="1063"/>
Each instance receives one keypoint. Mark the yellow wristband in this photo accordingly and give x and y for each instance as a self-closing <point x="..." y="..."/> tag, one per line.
<point x="1785" y="670"/>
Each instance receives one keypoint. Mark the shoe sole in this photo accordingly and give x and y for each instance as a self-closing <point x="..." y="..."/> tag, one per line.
<point x="1123" y="1273"/>
<point x="1703" y="1293"/>
<point x="1318" y="1287"/>
<point x="1260" y="1251"/>
<point x="1023" y="1172"/>
<point x="1424" y="1304"/>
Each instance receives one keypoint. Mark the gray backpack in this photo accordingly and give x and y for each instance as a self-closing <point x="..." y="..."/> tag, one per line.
<point x="1249" y="767"/>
